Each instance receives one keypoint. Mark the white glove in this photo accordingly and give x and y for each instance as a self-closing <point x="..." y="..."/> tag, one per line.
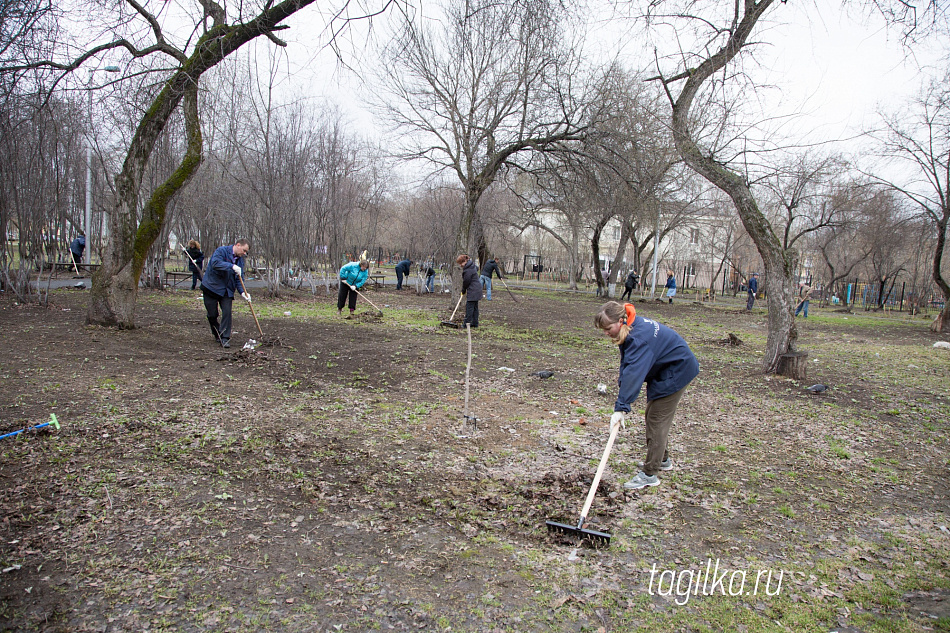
<point x="617" y="418"/>
<point x="246" y="296"/>
<point x="236" y="269"/>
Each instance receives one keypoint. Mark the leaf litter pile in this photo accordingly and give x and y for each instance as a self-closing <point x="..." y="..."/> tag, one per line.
<point x="324" y="484"/>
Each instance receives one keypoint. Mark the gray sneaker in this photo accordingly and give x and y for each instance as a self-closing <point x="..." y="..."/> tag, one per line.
<point x="642" y="480"/>
<point x="666" y="464"/>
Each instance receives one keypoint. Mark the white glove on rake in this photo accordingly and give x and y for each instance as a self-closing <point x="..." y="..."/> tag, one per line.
<point x="617" y="418"/>
<point x="236" y="269"/>
<point x="246" y="296"/>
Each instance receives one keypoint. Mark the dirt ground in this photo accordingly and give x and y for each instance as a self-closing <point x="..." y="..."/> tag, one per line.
<point x="327" y="480"/>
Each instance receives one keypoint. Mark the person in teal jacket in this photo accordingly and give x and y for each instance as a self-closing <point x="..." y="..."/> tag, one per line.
<point x="352" y="277"/>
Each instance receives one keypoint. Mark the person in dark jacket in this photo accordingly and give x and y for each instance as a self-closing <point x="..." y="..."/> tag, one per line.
<point x="655" y="354"/>
<point x="220" y="283"/>
<point x="629" y="284"/>
<point x="491" y="266"/>
<point x="670" y="285"/>
<point x="430" y="278"/>
<point x="195" y="259"/>
<point x="402" y="270"/>
<point x="471" y="288"/>
<point x="77" y="247"/>
<point x="752" y="289"/>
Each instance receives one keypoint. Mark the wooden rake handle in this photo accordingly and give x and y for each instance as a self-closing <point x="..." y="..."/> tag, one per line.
<point x="251" y="306"/>
<point x="600" y="473"/>
<point x="365" y="297"/>
<point x="457" y="304"/>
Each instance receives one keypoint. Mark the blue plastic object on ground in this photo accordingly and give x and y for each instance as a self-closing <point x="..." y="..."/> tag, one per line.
<point x="52" y="421"/>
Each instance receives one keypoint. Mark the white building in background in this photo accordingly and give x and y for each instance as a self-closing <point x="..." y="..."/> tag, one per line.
<point x="694" y="250"/>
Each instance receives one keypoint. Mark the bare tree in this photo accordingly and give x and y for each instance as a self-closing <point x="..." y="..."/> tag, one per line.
<point x="722" y="33"/>
<point x="495" y="85"/>
<point x="136" y="224"/>
<point x="919" y="139"/>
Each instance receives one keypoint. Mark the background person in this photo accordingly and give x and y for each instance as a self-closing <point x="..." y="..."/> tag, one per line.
<point x="77" y="247"/>
<point x="657" y="355"/>
<point x="670" y="285"/>
<point x="195" y="259"/>
<point x="471" y="288"/>
<point x="629" y="284"/>
<point x="430" y="278"/>
<point x="752" y="289"/>
<point x="219" y="285"/>
<point x="352" y="277"/>
<point x="804" y="296"/>
<point x="491" y="266"/>
<point x="402" y="270"/>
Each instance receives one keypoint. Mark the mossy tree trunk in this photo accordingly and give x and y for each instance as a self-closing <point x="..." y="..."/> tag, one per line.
<point x="115" y="284"/>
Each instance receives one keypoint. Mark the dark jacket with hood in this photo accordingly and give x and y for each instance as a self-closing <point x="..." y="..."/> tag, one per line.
<point x="198" y="257"/>
<point x="632" y="279"/>
<point x="657" y="355"/>
<point x="471" y="285"/>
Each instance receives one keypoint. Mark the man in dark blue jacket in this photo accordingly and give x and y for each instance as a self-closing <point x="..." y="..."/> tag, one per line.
<point x="219" y="285"/>
<point x="402" y="270"/>
<point x="77" y="247"/>
<point x="655" y="354"/>
<point x="753" y="288"/>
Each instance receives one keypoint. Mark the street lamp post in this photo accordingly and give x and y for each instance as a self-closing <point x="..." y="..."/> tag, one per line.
<point x="87" y="255"/>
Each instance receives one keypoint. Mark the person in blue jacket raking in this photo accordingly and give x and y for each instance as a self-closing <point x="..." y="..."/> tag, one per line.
<point x="657" y="355"/>
<point x="352" y="278"/>
<point x="221" y="281"/>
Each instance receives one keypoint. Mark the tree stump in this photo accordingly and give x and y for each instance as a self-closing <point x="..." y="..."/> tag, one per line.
<point x="794" y="365"/>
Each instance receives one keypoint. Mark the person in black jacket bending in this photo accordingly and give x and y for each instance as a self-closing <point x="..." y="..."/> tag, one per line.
<point x="629" y="284"/>
<point x="402" y="270"/>
<point x="471" y="288"/>
<point x="491" y="266"/>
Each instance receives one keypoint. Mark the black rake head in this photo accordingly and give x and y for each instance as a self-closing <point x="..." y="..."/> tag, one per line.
<point x="593" y="537"/>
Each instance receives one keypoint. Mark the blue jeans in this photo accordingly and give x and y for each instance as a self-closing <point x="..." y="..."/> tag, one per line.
<point x="398" y="279"/>
<point x="486" y="284"/>
<point x="430" y="283"/>
<point x="801" y="306"/>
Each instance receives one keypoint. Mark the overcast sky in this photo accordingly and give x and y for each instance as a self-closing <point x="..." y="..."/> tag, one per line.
<point x="833" y="68"/>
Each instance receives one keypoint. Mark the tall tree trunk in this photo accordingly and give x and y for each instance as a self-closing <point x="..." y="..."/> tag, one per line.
<point x="942" y="322"/>
<point x="464" y="242"/>
<point x="115" y="284"/>
<point x="779" y="263"/>
<point x="595" y="250"/>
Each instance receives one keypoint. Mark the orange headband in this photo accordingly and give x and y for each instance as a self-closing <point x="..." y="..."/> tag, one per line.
<point x="631" y="313"/>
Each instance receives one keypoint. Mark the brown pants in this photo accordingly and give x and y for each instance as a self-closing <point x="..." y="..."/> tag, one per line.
<point x="659" y="419"/>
